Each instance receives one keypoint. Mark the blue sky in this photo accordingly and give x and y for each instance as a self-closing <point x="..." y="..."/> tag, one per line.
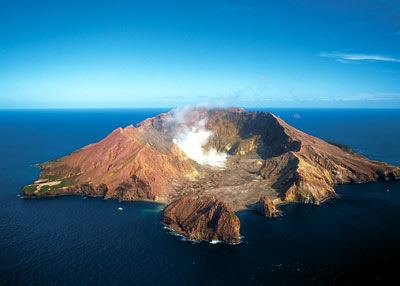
<point x="84" y="54"/>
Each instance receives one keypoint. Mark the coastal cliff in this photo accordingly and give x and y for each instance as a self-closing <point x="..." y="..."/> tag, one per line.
<point x="204" y="218"/>
<point x="262" y="157"/>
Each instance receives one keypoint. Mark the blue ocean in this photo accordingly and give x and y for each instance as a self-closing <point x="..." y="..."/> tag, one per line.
<point x="87" y="241"/>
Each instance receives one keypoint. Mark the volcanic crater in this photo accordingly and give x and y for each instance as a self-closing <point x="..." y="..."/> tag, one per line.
<point x="262" y="162"/>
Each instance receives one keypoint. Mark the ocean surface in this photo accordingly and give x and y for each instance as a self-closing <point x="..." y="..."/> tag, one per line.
<point x="87" y="241"/>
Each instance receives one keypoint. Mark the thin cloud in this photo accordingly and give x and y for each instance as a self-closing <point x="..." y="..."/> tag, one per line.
<point x="385" y="96"/>
<point x="366" y="97"/>
<point x="346" y="58"/>
<point x="346" y="61"/>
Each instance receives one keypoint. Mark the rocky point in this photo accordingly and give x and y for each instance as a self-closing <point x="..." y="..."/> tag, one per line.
<point x="203" y="218"/>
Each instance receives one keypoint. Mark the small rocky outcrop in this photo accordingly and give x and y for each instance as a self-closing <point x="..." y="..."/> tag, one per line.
<point x="203" y="218"/>
<point x="267" y="207"/>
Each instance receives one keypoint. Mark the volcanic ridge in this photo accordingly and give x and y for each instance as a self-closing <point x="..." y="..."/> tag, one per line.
<point x="206" y="164"/>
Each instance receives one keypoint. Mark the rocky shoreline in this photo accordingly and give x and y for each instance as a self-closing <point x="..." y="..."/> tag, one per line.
<point x="267" y="163"/>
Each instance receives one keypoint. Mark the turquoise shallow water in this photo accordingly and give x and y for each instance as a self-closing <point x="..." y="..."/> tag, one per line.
<point x="87" y="241"/>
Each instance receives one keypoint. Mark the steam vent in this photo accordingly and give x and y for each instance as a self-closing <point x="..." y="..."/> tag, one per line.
<point x="206" y="164"/>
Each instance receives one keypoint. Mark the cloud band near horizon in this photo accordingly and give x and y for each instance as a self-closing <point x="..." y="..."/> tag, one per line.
<point x="343" y="57"/>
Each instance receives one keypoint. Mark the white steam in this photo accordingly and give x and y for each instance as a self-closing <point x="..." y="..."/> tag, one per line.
<point x="192" y="139"/>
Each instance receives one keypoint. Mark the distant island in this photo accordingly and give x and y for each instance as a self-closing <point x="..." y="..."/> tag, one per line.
<point x="205" y="164"/>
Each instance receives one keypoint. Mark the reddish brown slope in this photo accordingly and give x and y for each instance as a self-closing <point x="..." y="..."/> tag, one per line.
<point x="267" y="156"/>
<point x="204" y="218"/>
<point x="127" y="162"/>
<point x="268" y="159"/>
<point x="308" y="174"/>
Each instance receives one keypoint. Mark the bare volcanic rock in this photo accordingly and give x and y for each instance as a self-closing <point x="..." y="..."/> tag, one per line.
<point x="267" y="207"/>
<point x="266" y="158"/>
<point x="204" y="218"/>
<point x="129" y="164"/>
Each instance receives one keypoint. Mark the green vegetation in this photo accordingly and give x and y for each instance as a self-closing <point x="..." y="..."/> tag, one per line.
<point x="344" y="147"/>
<point x="50" y="162"/>
<point x="31" y="189"/>
<point x="45" y="189"/>
<point x="52" y="178"/>
<point x="47" y="163"/>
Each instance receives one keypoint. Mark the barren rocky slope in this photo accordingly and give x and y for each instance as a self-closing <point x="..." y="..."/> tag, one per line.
<point x="268" y="159"/>
<point x="204" y="218"/>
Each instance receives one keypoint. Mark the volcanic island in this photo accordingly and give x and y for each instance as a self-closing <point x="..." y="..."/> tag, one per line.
<point x="205" y="164"/>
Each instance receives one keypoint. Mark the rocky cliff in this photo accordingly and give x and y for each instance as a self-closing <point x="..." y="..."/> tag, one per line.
<point x="267" y="207"/>
<point x="266" y="158"/>
<point x="203" y="218"/>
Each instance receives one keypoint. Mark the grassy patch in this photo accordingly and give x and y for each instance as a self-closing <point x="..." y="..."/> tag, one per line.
<point x="30" y="189"/>
<point x="52" y="178"/>
<point x="344" y="147"/>
<point x="46" y="164"/>
<point x="45" y="189"/>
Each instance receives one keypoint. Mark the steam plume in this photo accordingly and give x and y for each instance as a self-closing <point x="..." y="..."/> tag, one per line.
<point x="193" y="137"/>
